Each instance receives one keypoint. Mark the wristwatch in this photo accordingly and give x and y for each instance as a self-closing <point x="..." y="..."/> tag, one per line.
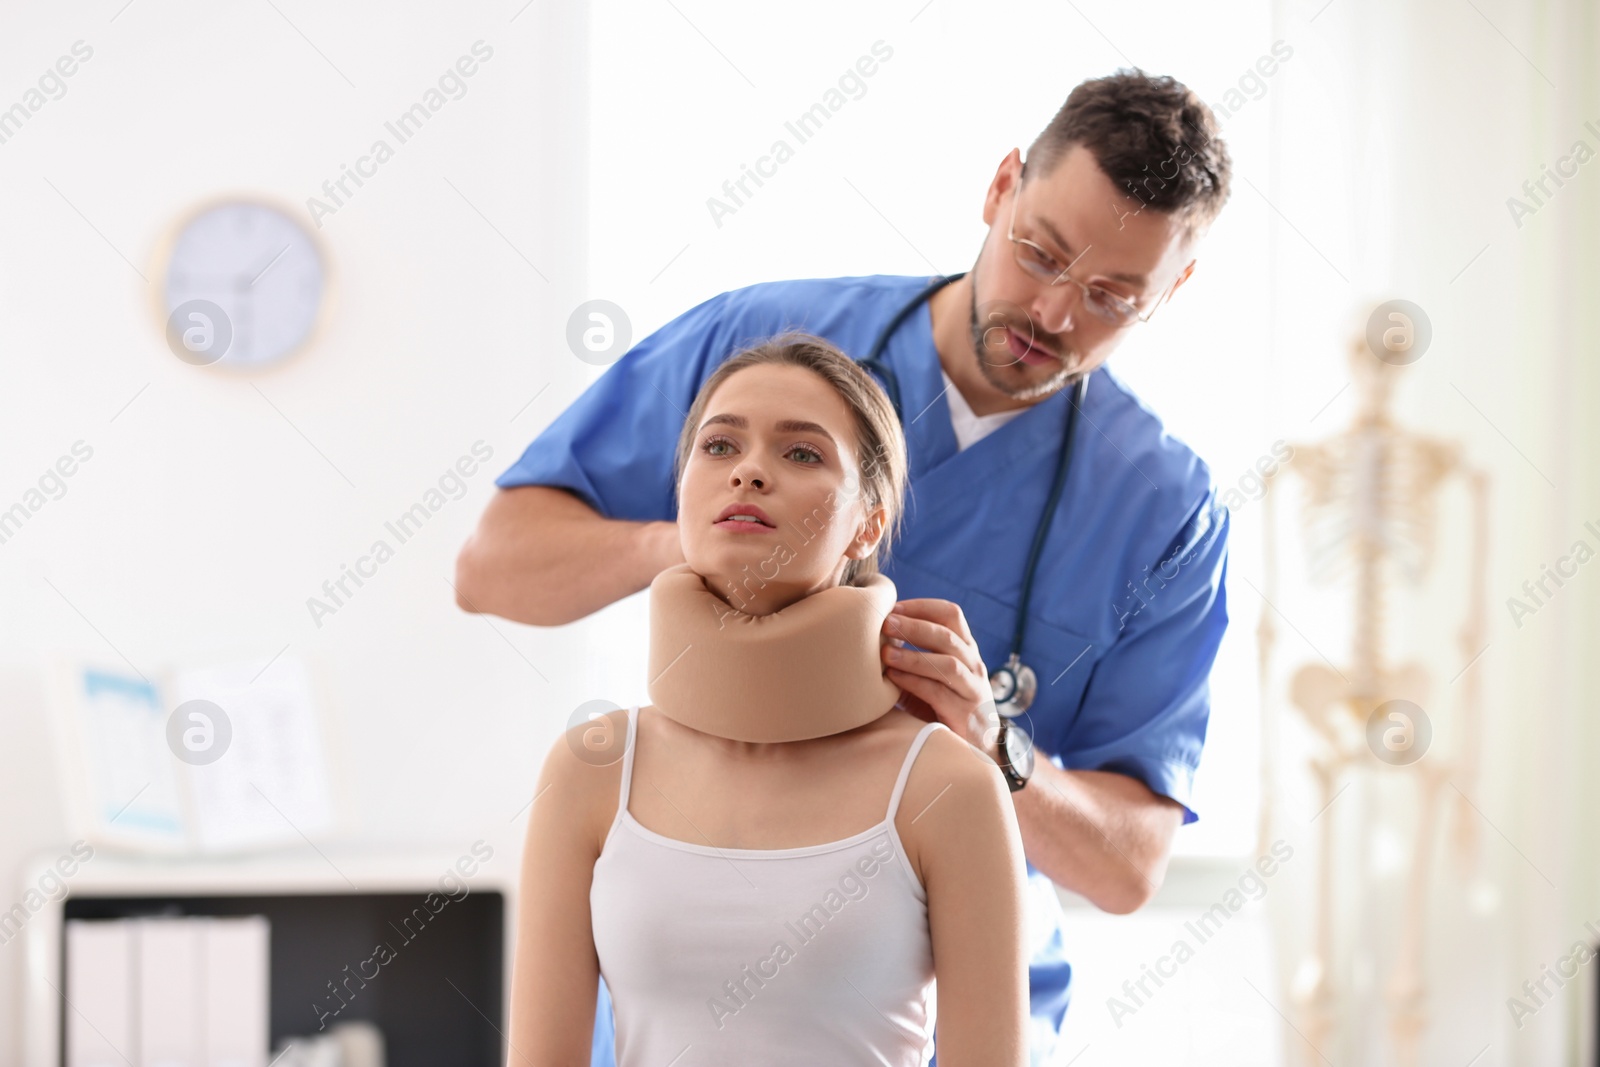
<point x="1015" y="751"/>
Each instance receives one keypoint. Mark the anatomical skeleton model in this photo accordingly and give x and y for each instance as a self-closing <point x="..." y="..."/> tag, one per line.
<point x="1369" y="504"/>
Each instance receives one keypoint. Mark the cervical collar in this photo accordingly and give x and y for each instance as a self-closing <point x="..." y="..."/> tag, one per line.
<point x="812" y="669"/>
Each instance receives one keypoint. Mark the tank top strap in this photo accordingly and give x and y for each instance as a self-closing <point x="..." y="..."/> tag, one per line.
<point x="629" y="744"/>
<point x="905" y="767"/>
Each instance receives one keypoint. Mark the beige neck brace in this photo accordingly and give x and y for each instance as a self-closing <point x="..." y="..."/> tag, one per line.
<point x="812" y="669"/>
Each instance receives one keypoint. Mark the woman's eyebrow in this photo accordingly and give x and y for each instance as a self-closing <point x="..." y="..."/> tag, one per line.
<point x="739" y="422"/>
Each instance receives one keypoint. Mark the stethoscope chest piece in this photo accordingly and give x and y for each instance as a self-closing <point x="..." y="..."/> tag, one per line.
<point x="1014" y="686"/>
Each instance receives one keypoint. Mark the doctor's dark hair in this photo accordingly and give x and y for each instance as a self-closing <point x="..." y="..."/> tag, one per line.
<point x="880" y="443"/>
<point x="1152" y="136"/>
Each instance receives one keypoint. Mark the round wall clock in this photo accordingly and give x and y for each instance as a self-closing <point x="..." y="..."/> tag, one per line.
<point x="242" y="285"/>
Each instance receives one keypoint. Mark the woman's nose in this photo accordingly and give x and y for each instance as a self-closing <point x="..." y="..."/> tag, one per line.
<point x="748" y="474"/>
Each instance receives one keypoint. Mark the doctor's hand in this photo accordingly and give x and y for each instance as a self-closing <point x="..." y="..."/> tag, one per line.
<point x="943" y="679"/>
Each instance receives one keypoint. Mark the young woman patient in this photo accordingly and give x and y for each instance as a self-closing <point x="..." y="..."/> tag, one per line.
<point x="773" y="862"/>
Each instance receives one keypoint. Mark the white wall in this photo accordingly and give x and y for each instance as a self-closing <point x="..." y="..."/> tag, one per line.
<point x="211" y="508"/>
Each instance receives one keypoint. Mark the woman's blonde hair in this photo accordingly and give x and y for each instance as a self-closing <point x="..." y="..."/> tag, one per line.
<point x="880" y="444"/>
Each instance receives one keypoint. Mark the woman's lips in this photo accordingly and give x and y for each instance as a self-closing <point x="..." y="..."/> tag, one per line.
<point x="740" y="526"/>
<point x="1022" y="350"/>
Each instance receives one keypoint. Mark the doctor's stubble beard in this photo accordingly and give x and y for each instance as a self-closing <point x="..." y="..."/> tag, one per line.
<point x="1057" y="381"/>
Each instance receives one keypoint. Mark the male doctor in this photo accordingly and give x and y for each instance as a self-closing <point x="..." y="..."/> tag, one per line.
<point x="1086" y="241"/>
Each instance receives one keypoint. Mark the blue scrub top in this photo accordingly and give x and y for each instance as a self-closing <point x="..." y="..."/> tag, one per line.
<point x="1127" y="609"/>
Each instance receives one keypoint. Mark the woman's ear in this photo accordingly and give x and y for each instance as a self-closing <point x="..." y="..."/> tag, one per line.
<point x="869" y="534"/>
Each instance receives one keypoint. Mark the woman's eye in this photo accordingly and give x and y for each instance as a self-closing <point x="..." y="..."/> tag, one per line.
<point x="722" y="446"/>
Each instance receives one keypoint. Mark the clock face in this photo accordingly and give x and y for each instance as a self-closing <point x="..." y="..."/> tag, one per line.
<point x="242" y="287"/>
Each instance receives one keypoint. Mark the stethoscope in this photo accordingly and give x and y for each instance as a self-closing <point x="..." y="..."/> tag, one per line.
<point x="1014" y="684"/>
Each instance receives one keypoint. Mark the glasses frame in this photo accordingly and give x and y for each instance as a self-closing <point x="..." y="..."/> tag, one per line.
<point x="1011" y="235"/>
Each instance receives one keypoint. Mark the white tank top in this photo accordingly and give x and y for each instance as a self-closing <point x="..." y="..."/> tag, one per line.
<point x="737" y="956"/>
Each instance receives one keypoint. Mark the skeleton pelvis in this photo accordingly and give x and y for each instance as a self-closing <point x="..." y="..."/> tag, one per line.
<point x="1338" y="711"/>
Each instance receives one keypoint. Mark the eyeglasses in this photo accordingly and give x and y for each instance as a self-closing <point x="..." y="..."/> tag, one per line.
<point x="1041" y="265"/>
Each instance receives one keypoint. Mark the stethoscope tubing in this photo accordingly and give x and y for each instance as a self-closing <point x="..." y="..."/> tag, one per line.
<point x="891" y="383"/>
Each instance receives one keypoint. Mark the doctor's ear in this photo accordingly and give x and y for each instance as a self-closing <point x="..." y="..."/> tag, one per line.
<point x="1006" y="178"/>
<point x="1183" y="276"/>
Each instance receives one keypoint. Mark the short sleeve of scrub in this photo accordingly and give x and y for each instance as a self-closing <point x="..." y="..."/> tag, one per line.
<point x="1150" y="692"/>
<point x="613" y="445"/>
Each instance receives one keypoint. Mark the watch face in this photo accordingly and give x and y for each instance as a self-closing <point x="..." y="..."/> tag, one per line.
<point x="1019" y="750"/>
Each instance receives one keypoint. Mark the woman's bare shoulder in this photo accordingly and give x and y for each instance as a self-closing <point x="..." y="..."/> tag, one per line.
<point x="949" y="762"/>
<point x="954" y="794"/>
<point x="583" y="771"/>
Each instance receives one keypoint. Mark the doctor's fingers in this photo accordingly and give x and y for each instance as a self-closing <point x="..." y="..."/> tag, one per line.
<point x="937" y="636"/>
<point x="949" y="670"/>
<point x="946" y="613"/>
